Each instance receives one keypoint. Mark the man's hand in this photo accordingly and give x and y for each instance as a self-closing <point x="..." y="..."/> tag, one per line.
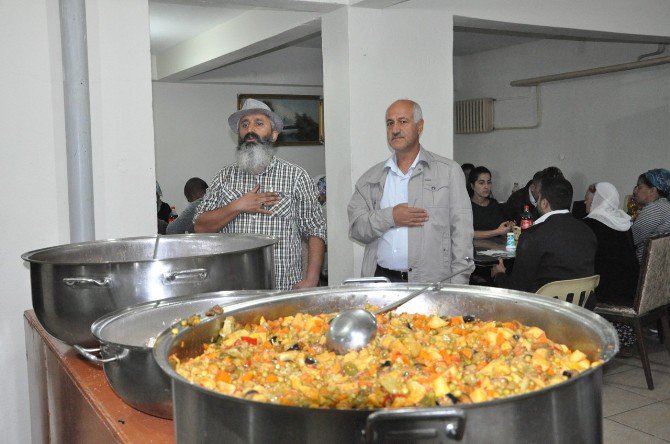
<point x="498" y="268"/>
<point x="405" y="216"/>
<point x="255" y="202"/>
<point x="306" y="283"/>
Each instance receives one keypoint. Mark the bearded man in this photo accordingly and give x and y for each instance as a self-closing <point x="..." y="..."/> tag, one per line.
<point x="263" y="194"/>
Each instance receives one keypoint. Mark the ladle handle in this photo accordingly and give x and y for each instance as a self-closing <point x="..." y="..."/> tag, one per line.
<point x="412" y="295"/>
<point x="367" y="280"/>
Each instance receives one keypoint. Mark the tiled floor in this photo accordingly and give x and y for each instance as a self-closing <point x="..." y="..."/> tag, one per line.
<point x="632" y="413"/>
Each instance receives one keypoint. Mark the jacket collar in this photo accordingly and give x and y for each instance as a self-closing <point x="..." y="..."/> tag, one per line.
<point x="424" y="157"/>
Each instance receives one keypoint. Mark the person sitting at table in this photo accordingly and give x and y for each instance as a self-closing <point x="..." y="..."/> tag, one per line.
<point x="528" y="195"/>
<point x="467" y="167"/>
<point x="555" y="248"/>
<point x="615" y="257"/>
<point x="488" y="217"/>
<point x="194" y="190"/>
<point x="651" y="193"/>
<point x="163" y="209"/>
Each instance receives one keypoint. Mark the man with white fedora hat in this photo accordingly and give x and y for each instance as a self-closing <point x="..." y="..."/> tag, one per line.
<point x="263" y="194"/>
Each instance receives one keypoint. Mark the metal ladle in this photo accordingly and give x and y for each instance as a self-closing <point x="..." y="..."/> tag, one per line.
<point x="354" y="328"/>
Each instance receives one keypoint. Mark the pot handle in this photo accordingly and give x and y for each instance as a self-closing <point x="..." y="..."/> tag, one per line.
<point x="73" y="282"/>
<point x="87" y="353"/>
<point x="414" y="425"/>
<point x="185" y="275"/>
<point x="366" y="280"/>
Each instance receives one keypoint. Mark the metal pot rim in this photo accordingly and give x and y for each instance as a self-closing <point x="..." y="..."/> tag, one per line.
<point x="166" y="338"/>
<point x="30" y="255"/>
<point x="101" y="323"/>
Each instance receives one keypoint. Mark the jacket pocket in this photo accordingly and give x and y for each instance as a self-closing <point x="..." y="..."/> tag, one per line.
<point x="436" y="193"/>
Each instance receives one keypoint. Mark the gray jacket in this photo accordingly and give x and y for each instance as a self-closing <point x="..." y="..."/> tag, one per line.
<point x="439" y="247"/>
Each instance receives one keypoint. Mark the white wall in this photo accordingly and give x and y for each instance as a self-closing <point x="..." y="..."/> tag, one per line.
<point x="30" y="147"/>
<point x="33" y="170"/>
<point x="193" y="138"/>
<point x="604" y="128"/>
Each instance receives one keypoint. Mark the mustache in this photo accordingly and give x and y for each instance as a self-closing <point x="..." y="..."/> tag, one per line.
<point x="244" y="141"/>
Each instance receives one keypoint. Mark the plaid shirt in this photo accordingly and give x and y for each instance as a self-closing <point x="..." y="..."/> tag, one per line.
<point x="298" y="214"/>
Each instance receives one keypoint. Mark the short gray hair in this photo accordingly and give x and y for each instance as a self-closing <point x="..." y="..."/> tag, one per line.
<point x="416" y="111"/>
<point x="417" y="114"/>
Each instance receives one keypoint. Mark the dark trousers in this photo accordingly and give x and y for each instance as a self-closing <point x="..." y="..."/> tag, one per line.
<point x="392" y="275"/>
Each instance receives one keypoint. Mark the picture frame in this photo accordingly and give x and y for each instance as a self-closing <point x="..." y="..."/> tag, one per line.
<point x="302" y="116"/>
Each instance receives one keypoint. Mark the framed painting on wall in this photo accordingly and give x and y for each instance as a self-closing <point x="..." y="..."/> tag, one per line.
<point x="302" y="116"/>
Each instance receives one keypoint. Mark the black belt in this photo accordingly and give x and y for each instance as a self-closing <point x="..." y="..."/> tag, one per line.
<point x="393" y="275"/>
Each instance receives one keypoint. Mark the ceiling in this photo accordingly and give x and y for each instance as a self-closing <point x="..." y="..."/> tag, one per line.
<point x="173" y="23"/>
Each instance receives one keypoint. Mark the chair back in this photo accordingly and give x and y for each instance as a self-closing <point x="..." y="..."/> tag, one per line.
<point x="575" y="291"/>
<point x="653" y="286"/>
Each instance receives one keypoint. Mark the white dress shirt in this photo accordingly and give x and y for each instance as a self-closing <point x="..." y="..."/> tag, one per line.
<point x="392" y="251"/>
<point x="545" y="216"/>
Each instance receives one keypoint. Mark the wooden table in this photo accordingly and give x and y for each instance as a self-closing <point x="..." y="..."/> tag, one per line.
<point x="71" y="401"/>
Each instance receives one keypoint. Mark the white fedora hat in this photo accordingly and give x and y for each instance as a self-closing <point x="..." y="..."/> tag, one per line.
<point x="254" y="106"/>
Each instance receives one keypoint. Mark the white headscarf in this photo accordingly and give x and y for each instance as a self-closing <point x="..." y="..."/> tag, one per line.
<point x="605" y="208"/>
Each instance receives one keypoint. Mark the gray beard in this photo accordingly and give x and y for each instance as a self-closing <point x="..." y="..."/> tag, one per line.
<point x="254" y="157"/>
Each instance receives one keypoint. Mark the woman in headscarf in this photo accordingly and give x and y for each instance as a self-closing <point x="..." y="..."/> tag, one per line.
<point x="615" y="257"/>
<point x="651" y="192"/>
<point x="615" y="260"/>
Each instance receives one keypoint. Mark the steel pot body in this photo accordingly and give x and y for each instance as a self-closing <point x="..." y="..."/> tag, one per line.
<point x="126" y="341"/>
<point x="73" y="285"/>
<point x="567" y="412"/>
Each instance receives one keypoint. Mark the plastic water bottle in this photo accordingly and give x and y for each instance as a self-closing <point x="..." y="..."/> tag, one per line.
<point x="510" y="244"/>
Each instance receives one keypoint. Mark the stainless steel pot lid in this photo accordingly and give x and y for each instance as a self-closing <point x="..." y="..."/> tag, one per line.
<point x="148" y="248"/>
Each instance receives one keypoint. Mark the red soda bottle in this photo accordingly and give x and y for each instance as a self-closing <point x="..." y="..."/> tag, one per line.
<point x="173" y="214"/>
<point x="526" y="218"/>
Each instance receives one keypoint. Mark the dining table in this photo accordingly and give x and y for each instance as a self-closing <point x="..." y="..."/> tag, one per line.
<point x="488" y="251"/>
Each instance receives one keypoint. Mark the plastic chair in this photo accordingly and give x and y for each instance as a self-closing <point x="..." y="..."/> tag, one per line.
<point x="652" y="300"/>
<point x="575" y="291"/>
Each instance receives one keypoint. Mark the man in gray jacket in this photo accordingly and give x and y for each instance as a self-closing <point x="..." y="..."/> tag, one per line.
<point x="412" y="211"/>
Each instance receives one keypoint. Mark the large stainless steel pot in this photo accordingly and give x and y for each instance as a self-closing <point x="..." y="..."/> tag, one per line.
<point x="126" y="340"/>
<point x="75" y="284"/>
<point x="567" y="412"/>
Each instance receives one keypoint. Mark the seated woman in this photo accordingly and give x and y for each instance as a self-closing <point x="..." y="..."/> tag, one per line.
<point x="615" y="261"/>
<point x="487" y="214"/>
<point x="615" y="257"/>
<point x="651" y="193"/>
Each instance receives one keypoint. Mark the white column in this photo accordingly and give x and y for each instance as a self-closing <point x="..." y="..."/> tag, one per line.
<point x="372" y="57"/>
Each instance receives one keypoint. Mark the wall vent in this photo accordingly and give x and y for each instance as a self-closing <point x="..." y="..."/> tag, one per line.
<point x="473" y="116"/>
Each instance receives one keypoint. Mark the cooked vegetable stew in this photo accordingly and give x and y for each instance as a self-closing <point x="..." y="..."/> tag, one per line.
<point x="415" y="360"/>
